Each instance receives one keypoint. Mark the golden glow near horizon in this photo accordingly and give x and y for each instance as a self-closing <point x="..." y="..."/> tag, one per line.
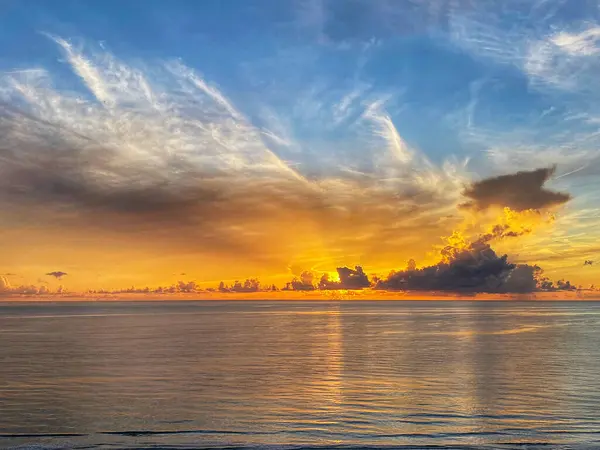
<point x="105" y="260"/>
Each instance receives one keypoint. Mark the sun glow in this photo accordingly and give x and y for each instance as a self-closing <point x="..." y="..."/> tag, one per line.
<point x="486" y="227"/>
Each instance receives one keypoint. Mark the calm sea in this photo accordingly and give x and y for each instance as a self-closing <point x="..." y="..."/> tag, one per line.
<point x="300" y="374"/>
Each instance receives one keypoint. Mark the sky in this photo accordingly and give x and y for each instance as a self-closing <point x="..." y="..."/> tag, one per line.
<point x="149" y="142"/>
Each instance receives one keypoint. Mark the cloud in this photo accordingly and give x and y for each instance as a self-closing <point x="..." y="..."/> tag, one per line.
<point x="519" y="191"/>
<point x="24" y="290"/>
<point x="249" y="285"/>
<point x="305" y="281"/>
<point x="502" y="231"/>
<point x="158" y="151"/>
<point x="57" y="274"/>
<point x="464" y="268"/>
<point x="348" y="279"/>
<point x="563" y="60"/>
<point x="189" y="286"/>
<point x="4" y="284"/>
<point x="341" y="25"/>
<point x="578" y="44"/>
<point x="554" y="63"/>
<point x="476" y="268"/>
<point x="125" y="159"/>
<point x="384" y="127"/>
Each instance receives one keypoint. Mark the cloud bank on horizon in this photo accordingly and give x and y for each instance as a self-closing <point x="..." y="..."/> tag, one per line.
<point x="313" y="134"/>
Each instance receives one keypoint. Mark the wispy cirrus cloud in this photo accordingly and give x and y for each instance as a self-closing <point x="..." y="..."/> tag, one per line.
<point x="552" y="61"/>
<point x="564" y="60"/>
<point x="584" y="43"/>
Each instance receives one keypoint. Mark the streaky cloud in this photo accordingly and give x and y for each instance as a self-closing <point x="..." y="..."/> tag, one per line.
<point x="57" y="274"/>
<point x="159" y="150"/>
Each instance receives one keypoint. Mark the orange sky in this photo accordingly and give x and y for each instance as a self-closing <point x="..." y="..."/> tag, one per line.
<point x="97" y="258"/>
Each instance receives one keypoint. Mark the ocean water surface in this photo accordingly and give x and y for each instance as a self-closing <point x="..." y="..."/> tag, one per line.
<point x="278" y="374"/>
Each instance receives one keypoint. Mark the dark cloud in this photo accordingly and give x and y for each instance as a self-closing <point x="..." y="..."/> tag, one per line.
<point x="519" y="191"/>
<point x="349" y="279"/>
<point x="189" y="286"/>
<point x="71" y="180"/>
<point x="475" y="269"/>
<point x="249" y="285"/>
<point x="501" y="232"/>
<point x="524" y="278"/>
<point x="82" y="174"/>
<point x="304" y="282"/>
<point x="58" y="274"/>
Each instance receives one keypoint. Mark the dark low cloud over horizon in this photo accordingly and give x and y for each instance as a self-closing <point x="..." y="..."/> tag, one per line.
<point x="474" y="269"/>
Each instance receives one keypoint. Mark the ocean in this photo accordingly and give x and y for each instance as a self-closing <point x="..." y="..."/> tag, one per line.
<point x="278" y="374"/>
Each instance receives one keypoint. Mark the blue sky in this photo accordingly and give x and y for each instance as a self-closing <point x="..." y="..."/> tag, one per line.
<point x="404" y="96"/>
<point x="431" y="62"/>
